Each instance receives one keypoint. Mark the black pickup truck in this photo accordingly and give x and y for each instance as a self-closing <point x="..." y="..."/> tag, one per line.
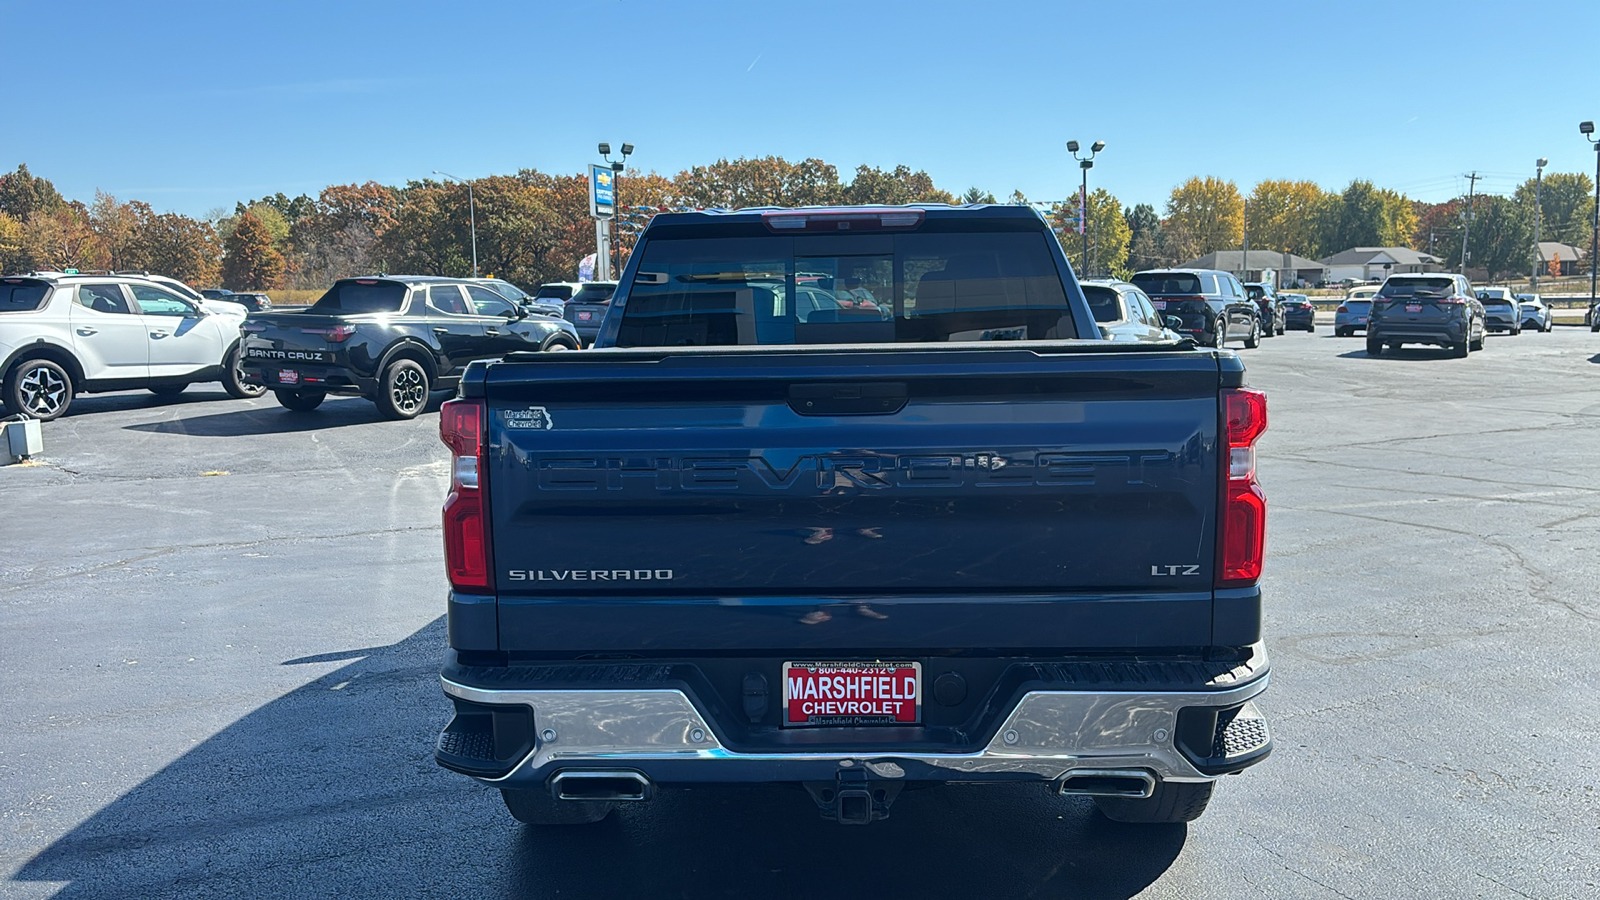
<point x="390" y="338"/>
<point x="925" y="527"/>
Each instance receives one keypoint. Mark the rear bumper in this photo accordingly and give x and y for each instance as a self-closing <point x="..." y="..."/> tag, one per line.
<point x="523" y="735"/>
<point x="1442" y="334"/>
<point x="313" y="377"/>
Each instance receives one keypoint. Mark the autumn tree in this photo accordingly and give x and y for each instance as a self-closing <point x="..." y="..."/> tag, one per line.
<point x="1284" y="216"/>
<point x="1204" y="214"/>
<point x="1500" y="236"/>
<point x="61" y="238"/>
<point x="873" y="186"/>
<point x="251" y="263"/>
<point x="1147" y="242"/>
<point x="13" y="258"/>
<point x="22" y="194"/>
<point x="339" y="237"/>
<point x="768" y="181"/>
<point x="1109" y="236"/>
<point x="179" y="247"/>
<point x="1567" y="200"/>
<point x="1438" y="230"/>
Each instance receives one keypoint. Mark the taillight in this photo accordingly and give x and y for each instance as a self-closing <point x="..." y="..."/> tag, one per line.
<point x="1452" y="301"/>
<point x="462" y="426"/>
<point x="253" y="327"/>
<point x="338" y="334"/>
<point x="1243" y="529"/>
<point x="1343" y="309"/>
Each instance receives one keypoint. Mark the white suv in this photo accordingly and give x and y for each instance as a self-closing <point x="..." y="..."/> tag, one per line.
<point x="65" y="334"/>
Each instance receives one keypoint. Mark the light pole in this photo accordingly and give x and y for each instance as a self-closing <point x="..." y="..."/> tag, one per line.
<point x="1085" y="163"/>
<point x="472" y="217"/>
<point x="1538" y="213"/>
<point x="1587" y="130"/>
<point x="616" y="194"/>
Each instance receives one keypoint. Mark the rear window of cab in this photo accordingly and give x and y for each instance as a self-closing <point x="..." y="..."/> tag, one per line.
<point x="361" y="295"/>
<point x="22" y="294"/>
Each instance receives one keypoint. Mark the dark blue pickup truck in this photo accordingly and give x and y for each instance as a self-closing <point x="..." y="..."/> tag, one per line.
<point x="854" y="499"/>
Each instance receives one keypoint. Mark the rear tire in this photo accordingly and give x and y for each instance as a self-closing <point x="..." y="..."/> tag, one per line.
<point x="1253" y="339"/>
<point x="403" y="390"/>
<point x="1374" y="347"/>
<point x="233" y="377"/>
<point x="300" y="401"/>
<point x="168" y="391"/>
<point x="1460" y="351"/>
<point x="1172" y="802"/>
<point x="537" y="807"/>
<point x="38" y="387"/>
<point x="1475" y="344"/>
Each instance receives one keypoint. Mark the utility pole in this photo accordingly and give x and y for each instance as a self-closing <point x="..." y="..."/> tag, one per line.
<point x="1466" y="220"/>
<point x="1538" y="211"/>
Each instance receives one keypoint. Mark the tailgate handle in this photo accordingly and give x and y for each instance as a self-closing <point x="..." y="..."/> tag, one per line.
<point x="856" y="398"/>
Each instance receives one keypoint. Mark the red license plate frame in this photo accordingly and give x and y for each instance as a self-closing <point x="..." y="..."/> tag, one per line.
<point x="288" y="376"/>
<point x="851" y="693"/>
<point x="585" y="315"/>
<point x="1413" y="307"/>
<point x="1159" y="304"/>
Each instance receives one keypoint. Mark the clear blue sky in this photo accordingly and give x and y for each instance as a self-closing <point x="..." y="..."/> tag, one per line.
<point x="192" y="106"/>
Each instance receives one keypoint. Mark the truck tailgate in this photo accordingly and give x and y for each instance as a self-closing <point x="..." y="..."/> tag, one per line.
<point x="828" y="473"/>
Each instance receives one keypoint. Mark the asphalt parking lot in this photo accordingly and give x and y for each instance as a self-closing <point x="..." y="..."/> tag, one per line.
<point x="220" y="629"/>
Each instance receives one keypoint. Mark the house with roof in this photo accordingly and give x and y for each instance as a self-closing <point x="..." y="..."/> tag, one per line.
<point x="1378" y="263"/>
<point x="1564" y="257"/>
<point x="1252" y="265"/>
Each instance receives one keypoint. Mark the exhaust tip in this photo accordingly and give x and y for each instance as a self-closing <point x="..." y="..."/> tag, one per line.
<point x="613" y="785"/>
<point x="1132" y="783"/>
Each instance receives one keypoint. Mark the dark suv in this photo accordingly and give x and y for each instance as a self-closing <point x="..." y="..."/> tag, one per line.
<point x="1212" y="304"/>
<point x="587" y="308"/>
<point x="1438" y="308"/>
<point x="1270" y="306"/>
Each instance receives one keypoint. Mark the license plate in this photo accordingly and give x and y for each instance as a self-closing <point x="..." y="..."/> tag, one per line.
<point x="584" y="315"/>
<point x="1413" y="307"/>
<point x="288" y="376"/>
<point x="1159" y="304"/>
<point x="852" y="693"/>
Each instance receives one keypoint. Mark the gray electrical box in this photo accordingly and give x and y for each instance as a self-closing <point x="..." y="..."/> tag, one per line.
<point x="20" y="440"/>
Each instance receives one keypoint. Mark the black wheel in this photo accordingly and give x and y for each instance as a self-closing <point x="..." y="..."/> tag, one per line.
<point x="40" y="388"/>
<point x="1374" y="347"/>
<point x="558" y="343"/>
<point x="233" y="377"/>
<point x="300" y="401"/>
<point x="1460" y="351"/>
<point x="1171" y="802"/>
<point x="403" y="390"/>
<point x="1475" y="344"/>
<point x="1340" y="332"/>
<point x="168" y="391"/>
<point x="1282" y="329"/>
<point x="537" y="807"/>
<point x="1253" y="339"/>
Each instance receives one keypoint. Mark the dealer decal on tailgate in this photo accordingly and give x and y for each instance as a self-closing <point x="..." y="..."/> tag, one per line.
<point x="852" y="693"/>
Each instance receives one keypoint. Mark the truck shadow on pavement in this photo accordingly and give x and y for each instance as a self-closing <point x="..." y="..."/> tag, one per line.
<point x="273" y="419"/>
<point x="331" y="790"/>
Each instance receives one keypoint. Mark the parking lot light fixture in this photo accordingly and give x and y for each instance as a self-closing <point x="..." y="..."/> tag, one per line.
<point x="1587" y="130"/>
<point x="472" y="217"/>
<point x="1085" y="163"/>
<point x="1538" y="210"/>
<point x="616" y="194"/>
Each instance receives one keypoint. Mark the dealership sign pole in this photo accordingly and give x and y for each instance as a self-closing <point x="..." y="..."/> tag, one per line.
<point x="603" y="207"/>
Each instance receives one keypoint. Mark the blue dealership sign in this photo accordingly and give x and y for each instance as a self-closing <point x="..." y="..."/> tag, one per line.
<point x="602" y="192"/>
